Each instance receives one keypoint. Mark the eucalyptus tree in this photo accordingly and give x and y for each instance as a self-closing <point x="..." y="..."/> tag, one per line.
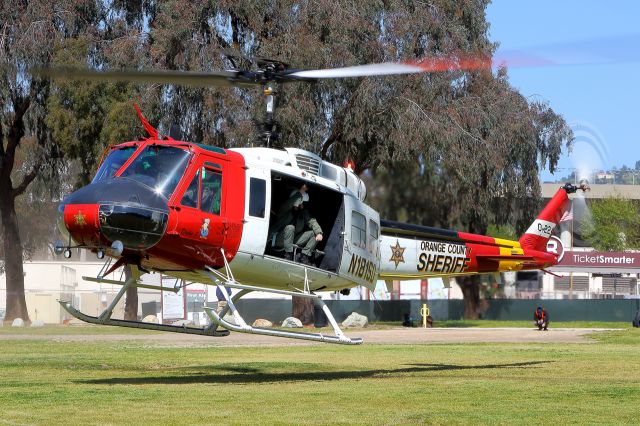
<point x="28" y="33"/>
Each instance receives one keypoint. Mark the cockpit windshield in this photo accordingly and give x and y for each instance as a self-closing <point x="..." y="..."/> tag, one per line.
<point x="113" y="162"/>
<point x="159" y="167"/>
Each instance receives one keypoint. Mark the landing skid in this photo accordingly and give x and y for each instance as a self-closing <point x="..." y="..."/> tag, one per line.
<point x="223" y="281"/>
<point x="209" y="331"/>
<point x="105" y="317"/>
<point x="240" y="326"/>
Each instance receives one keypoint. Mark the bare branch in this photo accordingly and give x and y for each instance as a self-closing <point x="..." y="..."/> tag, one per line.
<point x="16" y="131"/>
<point x="475" y="138"/>
<point x="26" y="180"/>
<point x="336" y="133"/>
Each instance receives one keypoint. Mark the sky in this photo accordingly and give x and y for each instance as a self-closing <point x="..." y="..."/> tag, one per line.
<point x="597" y="85"/>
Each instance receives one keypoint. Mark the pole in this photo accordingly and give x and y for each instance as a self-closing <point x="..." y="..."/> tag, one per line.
<point x="424" y="312"/>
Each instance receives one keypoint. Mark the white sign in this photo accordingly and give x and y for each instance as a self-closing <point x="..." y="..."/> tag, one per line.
<point x="172" y="305"/>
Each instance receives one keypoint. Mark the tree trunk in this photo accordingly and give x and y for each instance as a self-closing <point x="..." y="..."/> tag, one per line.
<point x="15" y="300"/>
<point x="303" y="310"/>
<point x="470" y="286"/>
<point x="131" y="298"/>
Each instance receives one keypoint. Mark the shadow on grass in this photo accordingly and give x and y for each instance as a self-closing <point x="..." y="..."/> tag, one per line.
<point x="254" y="375"/>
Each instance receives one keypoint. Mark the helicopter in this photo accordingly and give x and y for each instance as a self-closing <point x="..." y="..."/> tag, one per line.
<point x="206" y="214"/>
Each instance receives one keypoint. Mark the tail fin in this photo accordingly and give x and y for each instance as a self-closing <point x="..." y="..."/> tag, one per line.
<point x="536" y="237"/>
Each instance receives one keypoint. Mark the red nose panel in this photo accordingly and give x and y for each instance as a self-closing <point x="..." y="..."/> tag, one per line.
<point x="81" y="220"/>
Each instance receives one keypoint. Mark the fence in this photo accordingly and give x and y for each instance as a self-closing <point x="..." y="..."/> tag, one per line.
<point x="496" y="309"/>
<point x="44" y="306"/>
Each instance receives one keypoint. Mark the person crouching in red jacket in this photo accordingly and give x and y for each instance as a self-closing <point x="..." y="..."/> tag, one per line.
<point x="541" y="319"/>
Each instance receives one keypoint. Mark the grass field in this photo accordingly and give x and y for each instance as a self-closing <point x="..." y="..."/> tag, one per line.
<point x="53" y="381"/>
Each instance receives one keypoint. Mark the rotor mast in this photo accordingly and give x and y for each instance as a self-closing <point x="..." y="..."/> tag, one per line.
<point x="271" y="70"/>
<point x="269" y="122"/>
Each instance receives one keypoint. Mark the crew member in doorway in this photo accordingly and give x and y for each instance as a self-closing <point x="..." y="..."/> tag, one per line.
<point x="295" y="225"/>
<point x="541" y="318"/>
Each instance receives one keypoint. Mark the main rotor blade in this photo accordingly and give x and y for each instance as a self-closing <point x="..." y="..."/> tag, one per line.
<point x="617" y="49"/>
<point x="187" y="78"/>
<point x="396" y="68"/>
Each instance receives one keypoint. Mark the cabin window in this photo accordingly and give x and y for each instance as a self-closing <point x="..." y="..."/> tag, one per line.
<point x="359" y="230"/>
<point x="329" y="172"/>
<point x="211" y="195"/>
<point x="114" y="162"/>
<point x="257" y="197"/>
<point x="190" y="197"/>
<point x="373" y="236"/>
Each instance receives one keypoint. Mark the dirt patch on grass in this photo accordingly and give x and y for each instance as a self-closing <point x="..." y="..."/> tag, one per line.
<point x="398" y="335"/>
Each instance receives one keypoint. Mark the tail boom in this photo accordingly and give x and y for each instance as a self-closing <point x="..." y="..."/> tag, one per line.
<point x="410" y="252"/>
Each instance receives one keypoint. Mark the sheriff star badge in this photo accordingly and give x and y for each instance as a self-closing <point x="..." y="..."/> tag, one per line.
<point x="397" y="253"/>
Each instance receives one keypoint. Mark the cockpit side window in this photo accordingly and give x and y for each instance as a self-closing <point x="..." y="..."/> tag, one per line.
<point x="114" y="162"/>
<point x="358" y="230"/>
<point x="211" y="195"/>
<point x="190" y="197"/>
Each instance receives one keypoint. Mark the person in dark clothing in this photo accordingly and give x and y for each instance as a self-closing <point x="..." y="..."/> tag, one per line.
<point x="222" y="301"/>
<point x="541" y="319"/>
<point x="295" y="225"/>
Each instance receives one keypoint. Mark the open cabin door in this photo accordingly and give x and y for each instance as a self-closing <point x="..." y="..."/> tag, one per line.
<point x="334" y="244"/>
<point x="256" y="211"/>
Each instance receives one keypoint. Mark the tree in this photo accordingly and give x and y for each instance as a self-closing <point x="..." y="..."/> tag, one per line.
<point x="613" y="225"/>
<point x="467" y="134"/>
<point x="303" y="310"/>
<point x="36" y="208"/>
<point x="487" y="175"/>
<point x="26" y="40"/>
<point x="30" y="37"/>
<point x="131" y="298"/>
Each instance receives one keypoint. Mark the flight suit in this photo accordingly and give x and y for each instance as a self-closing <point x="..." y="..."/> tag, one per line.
<point x="296" y="227"/>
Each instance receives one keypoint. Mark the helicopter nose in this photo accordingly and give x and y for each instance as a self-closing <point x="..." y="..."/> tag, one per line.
<point x="116" y="209"/>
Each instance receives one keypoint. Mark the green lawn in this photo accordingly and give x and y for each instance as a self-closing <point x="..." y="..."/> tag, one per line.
<point x="139" y="382"/>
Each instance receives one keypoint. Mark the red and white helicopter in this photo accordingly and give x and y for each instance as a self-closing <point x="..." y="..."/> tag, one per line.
<point x="203" y="214"/>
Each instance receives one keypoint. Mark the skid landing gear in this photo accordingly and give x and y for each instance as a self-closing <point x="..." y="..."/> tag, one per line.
<point x="219" y="327"/>
<point x="227" y="280"/>
<point x="105" y="317"/>
<point x="209" y="331"/>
